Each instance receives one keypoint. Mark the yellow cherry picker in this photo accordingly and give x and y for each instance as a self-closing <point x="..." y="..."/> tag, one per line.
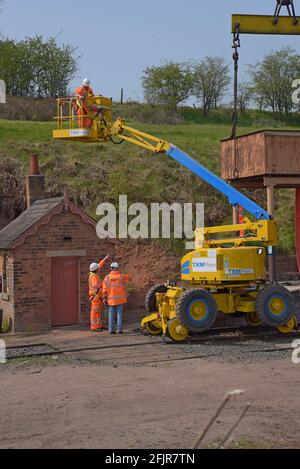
<point x="226" y="272"/>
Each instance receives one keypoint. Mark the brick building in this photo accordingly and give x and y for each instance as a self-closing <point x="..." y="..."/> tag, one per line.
<point x="44" y="258"/>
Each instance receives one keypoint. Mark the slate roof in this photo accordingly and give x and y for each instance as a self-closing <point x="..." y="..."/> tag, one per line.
<point x="27" y="220"/>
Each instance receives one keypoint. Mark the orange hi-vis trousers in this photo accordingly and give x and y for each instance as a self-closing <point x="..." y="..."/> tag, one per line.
<point x="83" y="121"/>
<point x="96" y="317"/>
<point x="97" y="305"/>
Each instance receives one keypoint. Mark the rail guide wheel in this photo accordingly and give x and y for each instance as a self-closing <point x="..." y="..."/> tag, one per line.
<point x="252" y="319"/>
<point x="291" y="326"/>
<point x="275" y="306"/>
<point x="177" y="331"/>
<point x="153" y="328"/>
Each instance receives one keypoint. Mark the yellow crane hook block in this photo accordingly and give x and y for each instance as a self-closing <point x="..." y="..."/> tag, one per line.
<point x="263" y="24"/>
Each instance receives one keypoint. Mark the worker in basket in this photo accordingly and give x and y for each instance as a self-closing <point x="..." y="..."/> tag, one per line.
<point x="96" y="295"/>
<point x="82" y="107"/>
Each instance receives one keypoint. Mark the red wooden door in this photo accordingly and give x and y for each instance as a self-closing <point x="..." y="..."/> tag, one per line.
<point x="65" y="291"/>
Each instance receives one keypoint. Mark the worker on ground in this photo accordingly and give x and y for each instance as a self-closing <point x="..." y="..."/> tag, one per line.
<point x="115" y="296"/>
<point x="83" y="93"/>
<point x="95" y="293"/>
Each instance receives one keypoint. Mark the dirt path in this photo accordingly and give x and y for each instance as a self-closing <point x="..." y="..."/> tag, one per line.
<point x="83" y="401"/>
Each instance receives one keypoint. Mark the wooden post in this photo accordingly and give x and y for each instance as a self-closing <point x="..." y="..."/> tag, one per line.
<point x="272" y="249"/>
<point x="122" y="95"/>
<point x="235" y="216"/>
<point x="270" y="200"/>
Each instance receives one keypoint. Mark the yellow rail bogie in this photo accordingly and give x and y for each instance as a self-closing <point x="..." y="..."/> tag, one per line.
<point x="227" y="303"/>
<point x="166" y="308"/>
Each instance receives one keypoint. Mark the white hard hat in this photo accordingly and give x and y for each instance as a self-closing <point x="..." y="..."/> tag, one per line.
<point x="114" y="266"/>
<point x="94" y="267"/>
<point x="86" y="82"/>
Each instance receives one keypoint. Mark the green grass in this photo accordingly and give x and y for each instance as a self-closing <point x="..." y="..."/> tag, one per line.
<point x="94" y="173"/>
<point x="25" y="130"/>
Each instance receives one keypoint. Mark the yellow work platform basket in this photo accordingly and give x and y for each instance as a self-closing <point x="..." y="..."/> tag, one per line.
<point x="83" y="121"/>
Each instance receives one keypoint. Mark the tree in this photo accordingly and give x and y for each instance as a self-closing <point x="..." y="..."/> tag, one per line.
<point x="244" y="96"/>
<point x="53" y="66"/>
<point x="170" y="84"/>
<point x="272" y="80"/>
<point x="211" y="80"/>
<point x="37" y="68"/>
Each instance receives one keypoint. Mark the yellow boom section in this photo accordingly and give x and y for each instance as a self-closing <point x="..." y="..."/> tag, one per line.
<point x="137" y="137"/>
<point x="261" y="24"/>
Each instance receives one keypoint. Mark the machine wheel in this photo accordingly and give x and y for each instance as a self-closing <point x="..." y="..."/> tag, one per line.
<point x="289" y="327"/>
<point x="197" y="310"/>
<point x="152" y="329"/>
<point x="275" y="306"/>
<point x="150" y="300"/>
<point x="177" y="331"/>
<point x="253" y="320"/>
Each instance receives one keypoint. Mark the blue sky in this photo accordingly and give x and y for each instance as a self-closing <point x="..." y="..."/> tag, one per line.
<point x="118" y="39"/>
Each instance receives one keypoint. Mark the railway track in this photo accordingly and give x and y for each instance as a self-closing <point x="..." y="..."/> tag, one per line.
<point x="222" y="335"/>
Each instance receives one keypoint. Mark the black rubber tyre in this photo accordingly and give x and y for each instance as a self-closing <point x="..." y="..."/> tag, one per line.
<point x="197" y="310"/>
<point x="150" y="300"/>
<point x="275" y="306"/>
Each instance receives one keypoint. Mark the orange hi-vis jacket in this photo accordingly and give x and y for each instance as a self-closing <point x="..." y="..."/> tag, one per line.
<point x="114" y="288"/>
<point x="81" y="106"/>
<point x="95" y="289"/>
<point x="84" y="92"/>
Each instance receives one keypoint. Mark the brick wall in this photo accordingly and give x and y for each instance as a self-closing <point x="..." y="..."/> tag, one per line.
<point x="7" y="300"/>
<point x="32" y="269"/>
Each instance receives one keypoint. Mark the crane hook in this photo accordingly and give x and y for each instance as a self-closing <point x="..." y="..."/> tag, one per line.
<point x="290" y="8"/>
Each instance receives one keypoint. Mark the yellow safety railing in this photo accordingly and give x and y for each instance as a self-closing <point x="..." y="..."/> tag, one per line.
<point x="67" y="119"/>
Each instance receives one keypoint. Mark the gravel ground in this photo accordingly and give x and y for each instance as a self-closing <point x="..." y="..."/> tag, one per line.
<point x="73" y="406"/>
<point x="78" y="401"/>
<point x="246" y="350"/>
<point x="28" y="351"/>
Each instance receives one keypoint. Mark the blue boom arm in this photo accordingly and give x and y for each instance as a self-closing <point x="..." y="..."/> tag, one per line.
<point x="234" y="197"/>
<point x="157" y="145"/>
